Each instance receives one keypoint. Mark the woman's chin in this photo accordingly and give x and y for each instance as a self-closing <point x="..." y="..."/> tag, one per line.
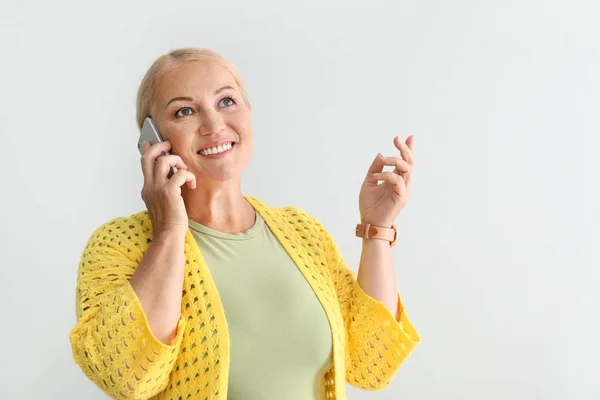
<point x="217" y="176"/>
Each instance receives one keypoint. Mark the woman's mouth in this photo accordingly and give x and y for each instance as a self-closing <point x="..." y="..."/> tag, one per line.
<point x="217" y="150"/>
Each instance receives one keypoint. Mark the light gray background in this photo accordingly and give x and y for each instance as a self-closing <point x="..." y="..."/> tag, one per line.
<point x="499" y="245"/>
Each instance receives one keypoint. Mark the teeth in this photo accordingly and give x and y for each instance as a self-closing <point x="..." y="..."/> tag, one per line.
<point x="216" y="150"/>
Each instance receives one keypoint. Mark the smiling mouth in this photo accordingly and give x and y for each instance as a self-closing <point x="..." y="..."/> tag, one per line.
<point x="213" y="151"/>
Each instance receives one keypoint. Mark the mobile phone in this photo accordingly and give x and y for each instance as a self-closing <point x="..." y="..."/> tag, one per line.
<point x="149" y="133"/>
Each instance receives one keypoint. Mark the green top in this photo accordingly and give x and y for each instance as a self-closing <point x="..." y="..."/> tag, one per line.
<point x="280" y="337"/>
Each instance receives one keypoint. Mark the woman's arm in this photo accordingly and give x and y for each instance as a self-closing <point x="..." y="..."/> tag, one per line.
<point x="376" y="274"/>
<point x="158" y="283"/>
<point x="379" y="204"/>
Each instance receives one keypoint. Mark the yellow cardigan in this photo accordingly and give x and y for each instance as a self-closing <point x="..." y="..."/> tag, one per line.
<point x="114" y="346"/>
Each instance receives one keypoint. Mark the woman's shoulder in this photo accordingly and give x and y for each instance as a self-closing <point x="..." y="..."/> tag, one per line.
<point x="132" y="230"/>
<point x="123" y="223"/>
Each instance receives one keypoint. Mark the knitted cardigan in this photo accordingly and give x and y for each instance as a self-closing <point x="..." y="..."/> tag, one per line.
<point x="113" y="345"/>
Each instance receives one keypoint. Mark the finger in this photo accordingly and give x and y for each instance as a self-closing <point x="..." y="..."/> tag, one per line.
<point x="408" y="177"/>
<point x="164" y="164"/>
<point x="149" y="155"/>
<point x="181" y="177"/>
<point x="376" y="166"/>
<point x="394" y="180"/>
<point x="405" y="151"/>
<point x="410" y="142"/>
<point x="156" y="149"/>
<point x="401" y="165"/>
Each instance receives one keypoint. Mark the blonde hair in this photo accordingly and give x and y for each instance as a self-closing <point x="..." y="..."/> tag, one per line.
<point x="147" y="89"/>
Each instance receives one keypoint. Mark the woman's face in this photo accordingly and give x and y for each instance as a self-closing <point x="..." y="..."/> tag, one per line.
<point x="199" y="107"/>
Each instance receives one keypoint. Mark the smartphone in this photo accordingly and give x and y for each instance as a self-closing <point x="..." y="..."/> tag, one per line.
<point x="149" y="133"/>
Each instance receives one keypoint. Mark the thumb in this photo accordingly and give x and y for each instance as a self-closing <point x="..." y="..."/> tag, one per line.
<point x="376" y="167"/>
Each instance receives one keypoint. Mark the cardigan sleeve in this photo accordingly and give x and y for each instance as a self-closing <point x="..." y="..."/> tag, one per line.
<point x="112" y="342"/>
<point x="377" y="343"/>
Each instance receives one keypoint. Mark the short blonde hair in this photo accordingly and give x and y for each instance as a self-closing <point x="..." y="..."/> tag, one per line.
<point x="147" y="90"/>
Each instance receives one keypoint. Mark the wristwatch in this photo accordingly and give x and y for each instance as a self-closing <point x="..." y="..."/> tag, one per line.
<point x="368" y="231"/>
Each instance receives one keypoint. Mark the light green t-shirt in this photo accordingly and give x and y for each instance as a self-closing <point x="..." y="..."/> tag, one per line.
<point x="280" y="337"/>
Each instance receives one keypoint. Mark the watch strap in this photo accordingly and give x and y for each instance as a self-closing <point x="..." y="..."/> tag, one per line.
<point x="367" y="231"/>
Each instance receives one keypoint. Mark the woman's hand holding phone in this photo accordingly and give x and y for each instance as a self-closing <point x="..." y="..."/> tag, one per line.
<point x="162" y="194"/>
<point x="158" y="280"/>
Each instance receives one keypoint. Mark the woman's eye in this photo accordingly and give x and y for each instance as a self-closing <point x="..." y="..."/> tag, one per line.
<point x="226" y="102"/>
<point x="184" y="112"/>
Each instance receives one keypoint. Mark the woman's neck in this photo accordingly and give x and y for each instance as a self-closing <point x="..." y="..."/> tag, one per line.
<point x="223" y="209"/>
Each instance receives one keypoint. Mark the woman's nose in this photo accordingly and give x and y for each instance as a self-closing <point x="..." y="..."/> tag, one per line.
<point x="211" y="123"/>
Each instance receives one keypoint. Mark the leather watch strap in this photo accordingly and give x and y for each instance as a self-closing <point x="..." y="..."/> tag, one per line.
<point x="368" y="231"/>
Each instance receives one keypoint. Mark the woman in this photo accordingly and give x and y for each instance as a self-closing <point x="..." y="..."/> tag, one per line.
<point x="211" y="294"/>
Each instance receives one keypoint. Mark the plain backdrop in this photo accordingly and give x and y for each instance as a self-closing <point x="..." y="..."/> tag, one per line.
<point x="499" y="248"/>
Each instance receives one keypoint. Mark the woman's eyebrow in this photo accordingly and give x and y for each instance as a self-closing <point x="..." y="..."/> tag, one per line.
<point x="184" y="98"/>
<point x="180" y="98"/>
<point x="224" y="88"/>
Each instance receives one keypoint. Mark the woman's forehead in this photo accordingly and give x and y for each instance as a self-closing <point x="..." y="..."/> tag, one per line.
<point x="195" y="76"/>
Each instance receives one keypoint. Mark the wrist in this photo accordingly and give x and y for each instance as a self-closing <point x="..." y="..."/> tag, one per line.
<point x="382" y="224"/>
<point x="376" y="243"/>
<point x="369" y="231"/>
